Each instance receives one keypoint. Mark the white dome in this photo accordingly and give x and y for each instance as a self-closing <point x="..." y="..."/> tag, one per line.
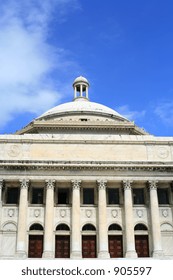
<point x="80" y="106"/>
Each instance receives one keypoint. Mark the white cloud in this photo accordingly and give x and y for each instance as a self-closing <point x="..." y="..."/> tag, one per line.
<point x="165" y="112"/>
<point x="129" y="114"/>
<point x="27" y="60"/>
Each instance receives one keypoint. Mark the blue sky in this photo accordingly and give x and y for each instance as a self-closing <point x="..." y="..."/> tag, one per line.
<point x="124" y="48"/>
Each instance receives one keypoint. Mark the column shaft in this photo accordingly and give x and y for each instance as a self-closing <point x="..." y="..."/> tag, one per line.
<point x="1" y="186"/>
<point x="155" y="220"/>
<point x="102" y="220"/>
<point x="49" y="217"/>
<point x="21" y="250"/>
<point x="129" y="224"/>
<point x="76" y="233"/>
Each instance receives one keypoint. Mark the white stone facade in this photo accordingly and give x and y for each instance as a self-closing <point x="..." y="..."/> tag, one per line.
<point x="84" y="184"/>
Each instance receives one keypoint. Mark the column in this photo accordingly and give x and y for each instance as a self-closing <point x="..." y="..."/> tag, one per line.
<point x="21" y="250"/>
<point x="49" y="220"/>
<point x="1" y="186"/>
<point x="102" y="220"/>
<point x="81" y="90"/>
<point x="76" y="232"/>
<point x="129" y="224"/>
<point x="155" y="220"/>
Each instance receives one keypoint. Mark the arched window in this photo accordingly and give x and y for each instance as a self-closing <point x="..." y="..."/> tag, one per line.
<point x="140" y="227"/>
<point x="88" y="227"/>
<point x="114" y="227"/>
<point x="36" y="227"/>
<point x="63" y="227"/>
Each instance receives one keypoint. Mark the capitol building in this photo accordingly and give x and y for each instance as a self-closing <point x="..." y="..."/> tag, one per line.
<point x="82" y="181"/>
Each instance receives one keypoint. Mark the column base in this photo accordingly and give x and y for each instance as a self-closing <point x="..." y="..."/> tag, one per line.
<point x="157" y="254"/>
<point x="21" y="255"/>
<point x="103" y="255"/>
<point x="131" y="254"/>
<point x="48" y="255"/>
<point x="76" y="255"/>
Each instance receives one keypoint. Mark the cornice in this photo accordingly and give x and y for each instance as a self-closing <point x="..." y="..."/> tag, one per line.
<point x="86" y="165"/>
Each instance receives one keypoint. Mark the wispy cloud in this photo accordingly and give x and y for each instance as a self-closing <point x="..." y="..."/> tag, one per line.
<point x="27" y="59"/>
<point x="130" y="114"/>
<point x="164" y="111"/>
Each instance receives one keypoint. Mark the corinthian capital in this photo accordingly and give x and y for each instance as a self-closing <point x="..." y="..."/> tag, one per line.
<point x="153" y="184"/>
<point x="50" y="184"/>
<point x="24" y="183"/>
<point x="76" y="184"/>
<point x="127" y="184"/>
<point x="101" y="184"/>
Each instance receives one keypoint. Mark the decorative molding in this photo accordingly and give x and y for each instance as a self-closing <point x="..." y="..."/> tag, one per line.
<point x="139" y="213"/>
<point x="11" y="213"/>
<point x="14" y="150"/>
<point x="88" y="213"/>
<point x="163" y="152"/>
<point x="37" y="213"/>
<point x="165" y="213"/>
<point x="101" y="184"/>
<point x="114" y="213"/>
<point x="76" y="184"/>
<point x="63" y="213"/>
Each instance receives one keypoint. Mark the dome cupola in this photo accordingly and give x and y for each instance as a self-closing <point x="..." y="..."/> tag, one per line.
<point x="80" y="86"/>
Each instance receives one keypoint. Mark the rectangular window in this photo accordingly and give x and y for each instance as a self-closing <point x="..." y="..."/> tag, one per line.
<point x="37" y="196"/>
<point x="113" y="196"/>
<point x="88" y="196"/>
<point x="163" y="197"/>
<point x="63" y="196"/>
<point x="12" y="195"/>
<point x="138" y="196"/>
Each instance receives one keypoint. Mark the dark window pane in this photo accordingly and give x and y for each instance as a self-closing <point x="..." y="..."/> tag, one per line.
<point x="63" y="196"/>
<point x="36" y="227"/>
<point x="114" y="227"/>
<point x="88" y="227"/>
<point x="140" y="227"/>
<point x="88" y="196"/>
<point x="37" y="196"/>
<point x="62" y="227"/>
<point x="138" y="196"/>
<point x="12" y="196"/>
<point x="163" y="197"/>
<point x="113" y="196"/>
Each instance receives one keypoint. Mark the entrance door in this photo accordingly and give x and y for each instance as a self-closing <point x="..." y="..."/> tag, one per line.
<point x="35" y="246"/>
<point x="62" y="246"/>
<point x="115" y="246"/>
<point x="141" y="245"/>
<point x="89" y="246"/>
